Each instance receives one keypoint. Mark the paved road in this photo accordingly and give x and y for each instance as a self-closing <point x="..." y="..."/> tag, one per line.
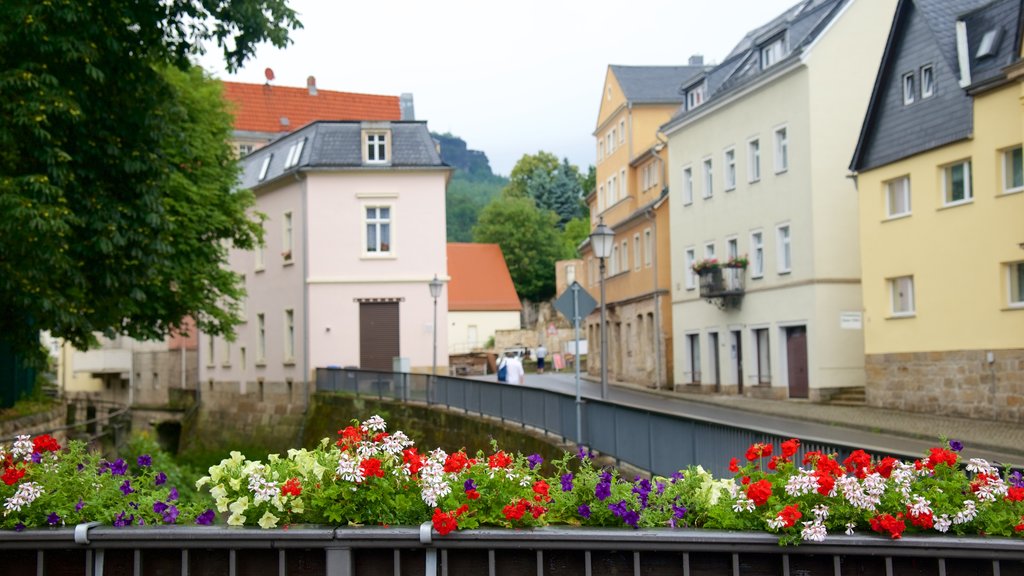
<point x="877" y="430"/>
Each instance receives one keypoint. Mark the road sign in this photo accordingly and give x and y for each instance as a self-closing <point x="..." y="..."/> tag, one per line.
<point x="567" y="307"/>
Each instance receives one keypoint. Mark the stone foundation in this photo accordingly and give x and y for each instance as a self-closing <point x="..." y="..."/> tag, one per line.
<point x="958" y="383"/>
<point x="35" y="424"/>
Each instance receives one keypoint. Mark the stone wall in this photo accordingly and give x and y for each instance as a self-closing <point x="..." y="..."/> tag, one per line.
<point x="630" y="344"/>
<point x="959" y="383"/>
<point x="35" y="424"/>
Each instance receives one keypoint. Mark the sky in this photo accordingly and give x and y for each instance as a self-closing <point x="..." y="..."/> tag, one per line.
<point x="509" y="78"/>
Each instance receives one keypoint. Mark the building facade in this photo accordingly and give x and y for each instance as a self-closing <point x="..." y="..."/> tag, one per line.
<point x="941" y="191"/>
<point x="766" y="296"/>
<point x="481" y="296"/>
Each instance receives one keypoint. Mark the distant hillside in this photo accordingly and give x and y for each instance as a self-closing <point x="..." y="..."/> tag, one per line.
<point x="472" y="186"/>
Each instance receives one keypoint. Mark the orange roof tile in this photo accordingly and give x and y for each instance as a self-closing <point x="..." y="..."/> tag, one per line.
<point x="260" y="107"/>
<point x="479" y="279"/>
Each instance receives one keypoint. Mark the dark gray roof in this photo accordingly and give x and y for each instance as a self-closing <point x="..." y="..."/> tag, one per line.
<point x="339" y="145"/>
<point x="654" y="84"/>
<point x="801" y="24"/>
<point x="924" y="34"/>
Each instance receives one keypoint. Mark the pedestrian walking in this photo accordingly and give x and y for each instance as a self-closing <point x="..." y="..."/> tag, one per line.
<point x="514" y="369"/>
<point x="542" y="353"/>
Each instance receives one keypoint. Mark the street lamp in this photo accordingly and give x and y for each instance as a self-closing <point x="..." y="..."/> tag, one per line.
<point x="435" y="293"/>
<point x="601" y="241"/>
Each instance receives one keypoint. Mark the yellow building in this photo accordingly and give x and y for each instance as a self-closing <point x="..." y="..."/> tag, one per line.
<point x="941" y="190"/>
<point x="631" y="197"/>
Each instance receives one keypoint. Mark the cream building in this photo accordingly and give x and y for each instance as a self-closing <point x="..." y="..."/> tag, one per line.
<point x="758" y="158"/>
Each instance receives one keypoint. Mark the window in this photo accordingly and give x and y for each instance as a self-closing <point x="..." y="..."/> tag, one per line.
<point x="773" y="51"/>
<point x="908" y="88"/>
<point x="691" y="276"/>
<point x="226" y="354"/>
<point x="732" y="248"/>
<point x="902" y="295"/>
<point x="609" y="143"/>
<point x="785" y="261"/>
<point x="781" y="150"/>
<point x="289" y="336"/>
<point x="693" y="347"/>
<point x="286" y="237"/>
<point x="376" y="147"/>
<point x="260" y="254"/>
<point x="764" y="368"/>
<point x="294" y="153"/>
<point x="570" y="274"/>
<point x="245" y="149"/>
<point x="688" y="185"/>
<point x="622" y="131"/>
<point x="241" y="357"/>
<point x="1013" y="170"/>
<point x="730" y="169"/>
<point x="601" y="204"/>
<point x="378" y="229"/>
<point x="624" y="182"/>
<point x="927" y="82"/>
<point x="648" y="247"/>
<point x="613" y="266"/>
<point x="261" y="343"/>
<point x="989" y="43"/>
<point x="695" y="96"/>
<point x="625" y="256"/>
<point x="956" y="183"/>
<point x="636" y="251"/>
<point x="265" y="167"/>
<point x="757" y="254"/>
<point x="897" y="197"/>
<point x="210" y="361"/>
<point x="600" y="150"/>
<point x="613" y="136"/>
<point x="708" y="178"/>
<point x="754" y="160"/>
<point x="1016" y="273"/>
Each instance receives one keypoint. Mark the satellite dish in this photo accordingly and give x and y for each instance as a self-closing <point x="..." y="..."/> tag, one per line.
<point x="269" y="73"/>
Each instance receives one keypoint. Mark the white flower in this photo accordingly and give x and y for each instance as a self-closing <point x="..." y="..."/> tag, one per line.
<point x="802" y="483"/>
<point x="776" y="523"/>
<point x="849" y="528"/>
<point x="967" y="514"/>
<point x="743" y="504"/>
<point x="268" y="521"/>
<point x="820" y="512"/>
<point x="22" y="448"/>
<point x="919" y="506"/>
<point x="375" y="423"/>
<point x="25" y="495"/>
<point x="348" y="468"/>
<point x="395" y="443"/>
<point x="980" y="465"/>
<point x="942" y="523"/>
<point x="814" y="532"/>
<point x="262" y="489"/>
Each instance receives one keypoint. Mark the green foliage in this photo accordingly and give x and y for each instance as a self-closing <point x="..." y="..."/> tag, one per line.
<point x="465" y="199"/>
<point x="574" y="233"/>
<point x="529" y="241"/>
<point x="553" y="186"/>
<point x="179" y="474"/>
<point x="116" y="203"/>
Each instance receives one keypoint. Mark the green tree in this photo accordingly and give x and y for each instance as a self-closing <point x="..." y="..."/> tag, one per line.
<point x="576" y="230"/>
<point x="528" y="168"/>
<point x="116" y="180"/>
<point x="467" y="195"/>
<point x="529" y="241"/>
<point x="553" y="185"/>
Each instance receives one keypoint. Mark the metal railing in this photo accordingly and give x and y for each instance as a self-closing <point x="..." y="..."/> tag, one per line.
<point x="325" y="551"/>
<point x="658" y="442"/>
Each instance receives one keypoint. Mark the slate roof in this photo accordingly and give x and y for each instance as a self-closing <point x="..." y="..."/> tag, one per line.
<point x="261" y="107"/>
<point x="338" y="145"/>
<point x="654" y="84"/>
<point x="480" y="280"/>
<point x="924" y="33"/>
<point x="802" y="24"/>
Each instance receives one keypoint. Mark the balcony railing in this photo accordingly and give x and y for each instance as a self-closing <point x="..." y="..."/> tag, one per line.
<point x="723" y="286"/>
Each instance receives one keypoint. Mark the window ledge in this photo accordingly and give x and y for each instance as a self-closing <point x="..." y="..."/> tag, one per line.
<point x="1010" y="192"/>
<point x="260" y="364"/>
<point x="1013" y="307"/>
<point x="730" y="188"/>
<point x="785" y="272"/>
<point x="259" y="269"/>
<point x="387" y="256"/>
<point x="289" y="362"/>
<point x="690" y="203"/>
<point x="956" y="204"/>
<point x="782" y="171"/>
<point x="760" y="277"/>
<point x="897" y="217"/>
<point x="754" y="181"/>
<point x="901" y="316"/>
<point x="288" y="262"/>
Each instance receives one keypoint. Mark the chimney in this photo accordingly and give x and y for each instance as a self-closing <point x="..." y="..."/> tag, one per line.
<point x="311" y="85"/>
<point x="405" y="103"/>
<point x="697" y="60"/>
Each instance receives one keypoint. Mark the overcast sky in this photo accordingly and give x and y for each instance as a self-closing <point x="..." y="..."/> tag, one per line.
<point x="510" y="78"/>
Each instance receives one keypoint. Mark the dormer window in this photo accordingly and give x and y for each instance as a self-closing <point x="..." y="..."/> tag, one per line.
<point x="927" y="81"/>
<point x="908" y="88"/>
<point x="773" y="51"/>
<point x="695" y="95"/>
<point x="989" y="44"/>
<point x="265" y="167"/>
<point x="376" y="147"/>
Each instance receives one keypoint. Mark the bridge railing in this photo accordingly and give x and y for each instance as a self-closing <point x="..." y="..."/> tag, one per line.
<point x="659" y="442"/>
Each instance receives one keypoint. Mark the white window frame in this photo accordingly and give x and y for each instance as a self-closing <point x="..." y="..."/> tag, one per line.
<point x="895" y="189"/>
<point x="600" y="149"/>
<point x="753" y="160"/>
<point x="289" y="336"/>
<point x="708" y="165"/>
<point x="732" y="248"/>
<point x="773" y="51"/>
<point x="947" y="183"/>
<point x="636" y="251"/>
<point x="907" y="284"/>
<point x="211" y="360"/>
<point x="622" y="131"/>
<point x="261" y="338"/>
<point x="1015" y="284"/>
<point x="624" y="183"/>
<point x="648" y="247"/>
<point x="907" y="85"/>
<point x="730" y="168"/>
<point x="693" y="354"/>
<point x="601" y="203"/>
<point x="781" y="149"/>
<point x="294" y="153"/>
<point x="376" y="151"/>
<point x="286" y="237"/>
<point x="687" y="185"/>
<point x="265" y="167"/>
<point x="1008" y="187"/>
<point x="624" y="256"/>
<point x="757" y="254"/>
<point x="784" y="248"/>
<point x="260" y="259"/>
<point x="690" y="258"/>
<point x="709" y="250"/>
<point x="927" y="81"/>
<point x="379" y="222"/>
<point x="613" y="262"/>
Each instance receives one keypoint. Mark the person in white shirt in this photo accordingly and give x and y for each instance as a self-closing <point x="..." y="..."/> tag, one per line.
<point x="542" y="353"/>
<point x="514" y="368"/>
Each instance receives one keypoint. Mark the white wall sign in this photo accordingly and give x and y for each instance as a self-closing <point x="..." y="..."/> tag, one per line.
<point x="850" y="320"/>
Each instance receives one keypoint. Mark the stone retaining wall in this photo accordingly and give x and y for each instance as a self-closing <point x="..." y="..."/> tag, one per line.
<point x="959" y="383"/>
<point x="35" y="424"/>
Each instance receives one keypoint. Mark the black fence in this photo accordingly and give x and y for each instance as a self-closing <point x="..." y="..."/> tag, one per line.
<point x="658" y="442"/>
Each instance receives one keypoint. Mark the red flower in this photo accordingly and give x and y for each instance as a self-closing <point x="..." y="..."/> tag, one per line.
<point x="444" y="522"/>
<point x="789" y="447"/>
<point x="461" y="510"/>
<point x="887" y="523"/>
<point x="456" y="462"/>
<point x="941" y="456"/>
<point x="884" y="468"/>
<point x="790" y="514"/>
<point x="759" y="492"/>
<point x="292" y="487"/>
<point x="923" y="520"/>
<point x="1015" y="494"/>
<point x="349" y="435"/>
<point x="12" y="475"/>
<point x="499" y="460"/>
<point x="371" y="467"/>
<point x="859" y="463"/>
<point x="1019" y="527"/>
<point x="758" y="450"/>
<point x="812" y="457"/>
<point x="734" y="465"/>
<point x="414" y="460"/>
<point x="516" y="511"/>
<point x="773" y="464"/>
<point x="380" y="436"/>
<point x="45" y="443"/>
<point x="472" y="494"/>
<point x="537" y="511"/>
<point x="540" y="489"/>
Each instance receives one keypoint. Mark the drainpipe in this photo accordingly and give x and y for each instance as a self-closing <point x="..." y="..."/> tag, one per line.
<point x="657" y="308"/>
<point x="305" y="290"/>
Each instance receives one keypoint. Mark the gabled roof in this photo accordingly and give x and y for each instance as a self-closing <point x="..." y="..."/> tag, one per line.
<point x="338" y="145"/>
<point x="654" y="84"/>
<point x="273" y="109"/>
<point x="800" y="25"/>
<point x="925" y="32"/>
<point x="480" y="281"/>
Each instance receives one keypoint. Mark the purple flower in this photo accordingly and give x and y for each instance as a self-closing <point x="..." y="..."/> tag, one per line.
<point x="104" y="467"/>
<point x="126" y="487"/>
<point x="37" y="457"/>
<point x="145" y="460"/>
<point x="1016" y="479"/>
<point x="631" y="517"/>
<point x="469" y="485"/>
<point x="120" y="521"/>
<point x="159" y="507"/>
<point x="567" y="482"/>
<point x="172" y="495"/>
<point x="602" y="490"/>
<point x="584" y="453"/>
<point x="53" y="519"/>
<point x="80" y="505"/>
<point x="618" y="508"/>
<point x="160" y="478"/>
<point x="535" y="460"/>
<point x="119" y="467"/>
<point x="171" y="515"/>
<point x="661" y="487"/>
<point x="206" y="518"/>
<point x="678" y="511"/>
<point x="584" y="510"/>
<point x="956" y="445"/>
<point x="677" y="476"/>
<point x="81" y="467"/>
<point x="142" y="521"/>
<point x="19" y="527"/>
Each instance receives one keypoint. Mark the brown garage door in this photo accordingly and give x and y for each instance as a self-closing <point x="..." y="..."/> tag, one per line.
<point x="378" y="335"/>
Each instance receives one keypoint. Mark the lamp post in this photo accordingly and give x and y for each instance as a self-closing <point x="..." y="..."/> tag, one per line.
<point x="435" y="293"/>
<point x="601" y="241"/>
